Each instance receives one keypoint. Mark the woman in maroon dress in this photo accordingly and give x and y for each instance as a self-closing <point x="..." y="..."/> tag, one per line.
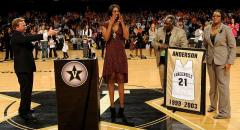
<point x="115" y="68"/>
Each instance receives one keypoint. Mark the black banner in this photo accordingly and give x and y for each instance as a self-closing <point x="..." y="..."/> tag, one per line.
<point x="77" y="94"/>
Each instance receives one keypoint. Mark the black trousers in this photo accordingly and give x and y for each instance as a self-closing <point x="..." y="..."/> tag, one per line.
<point x="9" y="52"/>
<point x="65" y="55"/>
<point x="54" y="51"/>
<point x="36" y="50"/>
<point x="26" y="84"/>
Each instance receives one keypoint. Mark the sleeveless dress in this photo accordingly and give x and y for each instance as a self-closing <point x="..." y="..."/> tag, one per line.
<point x="115" y="58"/>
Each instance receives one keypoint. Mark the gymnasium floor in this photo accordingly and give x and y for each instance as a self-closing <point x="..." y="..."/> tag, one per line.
<point x="143" y="99"/>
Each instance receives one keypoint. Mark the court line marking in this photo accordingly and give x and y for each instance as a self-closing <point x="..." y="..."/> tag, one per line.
<point x="153" y="122"/>
<point x="17" y="125"/>
<point x="102" y="124"/>
<point x="105" y="101"/>
<point x="9" y="97"/>
<point x="173" y="115"/>
<point x="118" y="126"/>
<point x="9" y="116"/>
<point x="13" y="123"/>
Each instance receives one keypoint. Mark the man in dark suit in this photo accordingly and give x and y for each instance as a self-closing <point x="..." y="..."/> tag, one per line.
<point x="24" y="64"/>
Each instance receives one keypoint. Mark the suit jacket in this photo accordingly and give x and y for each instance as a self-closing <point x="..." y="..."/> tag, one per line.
<point x="22" y="50"/>
<point x="178" y="38"/>
<point x="223" y="50"/>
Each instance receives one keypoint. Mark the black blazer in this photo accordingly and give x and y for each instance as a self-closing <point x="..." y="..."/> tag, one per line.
<point x="22" y="50"/>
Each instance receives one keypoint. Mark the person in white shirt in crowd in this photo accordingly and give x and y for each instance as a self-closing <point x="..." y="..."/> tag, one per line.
<point x="74" y="42"/>
<point x="65" y="50"/>
<point x="199" y="37"/>
<point x="34" y="30"/>
<point x="52" y="46"/>
<point x="79" y="42"/>
<point x="44" y="43"/>
<point x="139" y="36"/>
<point x="87" y="31"/>
<point x="85" y="47"/>
<point x="72" y="33"/>
<point x="152" y="35"/>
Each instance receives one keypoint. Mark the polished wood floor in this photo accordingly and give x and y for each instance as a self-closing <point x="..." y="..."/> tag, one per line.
<point x="143" y="74"/>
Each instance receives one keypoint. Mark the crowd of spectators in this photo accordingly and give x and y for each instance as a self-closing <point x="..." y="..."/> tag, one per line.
<point x="75" y="27"/>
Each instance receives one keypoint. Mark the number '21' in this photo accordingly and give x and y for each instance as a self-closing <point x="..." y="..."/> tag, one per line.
<point x="182" y="82"/>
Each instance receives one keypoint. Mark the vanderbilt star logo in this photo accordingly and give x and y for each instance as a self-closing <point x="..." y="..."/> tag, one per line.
<point x="74" y="74"/>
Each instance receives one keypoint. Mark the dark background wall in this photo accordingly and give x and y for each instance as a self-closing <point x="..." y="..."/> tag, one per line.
<point x="101" y="5"/>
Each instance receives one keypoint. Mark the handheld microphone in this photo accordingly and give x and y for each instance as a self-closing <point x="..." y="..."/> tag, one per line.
<point x="116" y="18"/>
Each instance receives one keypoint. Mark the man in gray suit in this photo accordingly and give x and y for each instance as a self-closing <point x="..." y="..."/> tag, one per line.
<point x="168" y="35"/>
<point x="221" y="52"/>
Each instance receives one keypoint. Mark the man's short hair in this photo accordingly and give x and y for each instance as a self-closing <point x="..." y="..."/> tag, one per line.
<point x="16" y="22"/>
<point x="172" y="18"/>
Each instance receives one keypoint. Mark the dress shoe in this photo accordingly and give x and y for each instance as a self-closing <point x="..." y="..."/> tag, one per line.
<point x="211" y="109"/>
<point x="124" y="118"/>
<point x="29" y="117"/>
<point x="218" y="116"/>
<point x="32" y="111"/>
